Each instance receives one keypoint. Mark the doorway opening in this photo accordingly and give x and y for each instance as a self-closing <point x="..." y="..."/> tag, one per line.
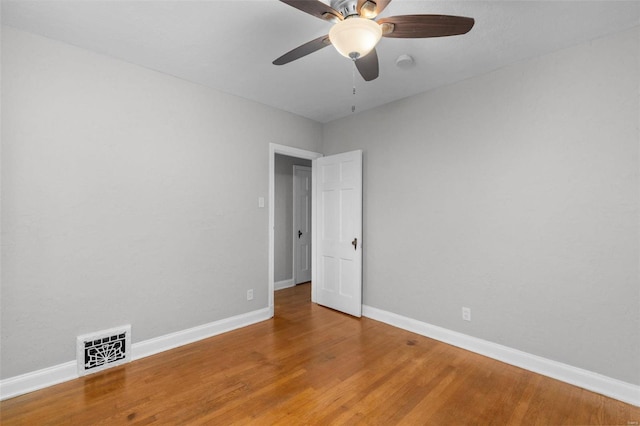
<point x="283" y="239"/>
<point x="292" y="221"/>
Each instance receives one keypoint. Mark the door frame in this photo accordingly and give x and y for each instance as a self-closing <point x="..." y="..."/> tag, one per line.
<point x="295" y="228"/>
<point x="292" y="152"/>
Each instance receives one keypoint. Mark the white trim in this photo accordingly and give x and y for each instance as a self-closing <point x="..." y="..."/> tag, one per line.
<point x="595" y="382"/>
<point x="314" y="230"/>
<point x="292" y="152"/>
<point x="585" y="379"/>
<point x="50" y="376"/>
<point x="279" y="285"/>
<point x="184" y="337"/>
<point x="35" y="380"/>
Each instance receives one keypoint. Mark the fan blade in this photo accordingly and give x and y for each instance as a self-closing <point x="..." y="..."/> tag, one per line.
<point x="423" y="26"/>
<point x="368" y="66"/>
<point x="315" y="8"/>
<point x="380" y="5"/>
<point x="303" y="50"/>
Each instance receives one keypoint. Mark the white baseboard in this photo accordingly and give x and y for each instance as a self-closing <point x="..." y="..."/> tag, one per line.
<point x="585" y="379"/>
<point x="184" y="337"/>
<point x="35" y="380"/>
<point x="50" y="376"/>
<point x="283" y="284"/>
<point x="595" y="382"/>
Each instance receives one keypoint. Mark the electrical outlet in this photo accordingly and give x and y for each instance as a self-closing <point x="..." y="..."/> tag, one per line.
<point x="250" y="294"/>
<point x="466" y="314"/>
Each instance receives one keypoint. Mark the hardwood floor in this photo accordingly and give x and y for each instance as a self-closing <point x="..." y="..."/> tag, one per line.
<point x="312" y="365"/>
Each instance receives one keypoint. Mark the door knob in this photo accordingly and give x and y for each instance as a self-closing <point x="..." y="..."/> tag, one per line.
<point x="355" y="243"/>
<point x="299" y="234"/>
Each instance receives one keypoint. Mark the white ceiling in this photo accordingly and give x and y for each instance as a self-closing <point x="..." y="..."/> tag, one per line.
<point x="229" y="45"/>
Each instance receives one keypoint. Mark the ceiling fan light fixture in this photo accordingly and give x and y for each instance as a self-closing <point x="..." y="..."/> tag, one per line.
<point x="355" y="37"/>
<point x="368" y="10"/>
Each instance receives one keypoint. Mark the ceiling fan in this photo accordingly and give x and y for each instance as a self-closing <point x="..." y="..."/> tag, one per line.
<point x="355" y="33"/>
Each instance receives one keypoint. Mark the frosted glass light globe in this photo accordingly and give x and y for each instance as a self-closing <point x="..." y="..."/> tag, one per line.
<point x="355" y="37"/>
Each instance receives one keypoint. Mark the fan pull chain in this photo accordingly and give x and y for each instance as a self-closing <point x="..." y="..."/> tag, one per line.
<point x="353" y="76"/>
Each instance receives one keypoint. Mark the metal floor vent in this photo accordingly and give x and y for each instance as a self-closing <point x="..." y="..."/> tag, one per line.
<point x="103" y="349"/>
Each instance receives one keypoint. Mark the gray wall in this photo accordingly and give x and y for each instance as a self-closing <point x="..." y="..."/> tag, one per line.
<point x="514" y="194"/>
<point x="117" y="205"/>
<point x="283" y="220"/>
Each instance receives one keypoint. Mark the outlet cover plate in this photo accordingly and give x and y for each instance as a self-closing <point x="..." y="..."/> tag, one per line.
<point x="466" y="314"/>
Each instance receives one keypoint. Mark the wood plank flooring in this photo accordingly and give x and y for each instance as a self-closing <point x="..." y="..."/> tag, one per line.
<point x="311" y="365"/>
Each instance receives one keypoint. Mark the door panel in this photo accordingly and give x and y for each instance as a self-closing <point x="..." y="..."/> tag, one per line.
<point x="301" y="224"/>
<point x="339" y="223"/>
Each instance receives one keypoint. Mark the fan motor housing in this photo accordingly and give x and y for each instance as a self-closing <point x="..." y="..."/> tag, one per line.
<point x="345" y="7"/>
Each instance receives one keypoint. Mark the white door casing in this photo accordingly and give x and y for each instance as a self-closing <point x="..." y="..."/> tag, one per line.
<point x="337" y="183"/>
<point x="301" y="224"/>
<point x="275" y="149"/>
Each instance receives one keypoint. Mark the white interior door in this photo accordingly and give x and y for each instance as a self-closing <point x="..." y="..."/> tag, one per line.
<point x="338" y="222"/>
<point x="301" y="224"/>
